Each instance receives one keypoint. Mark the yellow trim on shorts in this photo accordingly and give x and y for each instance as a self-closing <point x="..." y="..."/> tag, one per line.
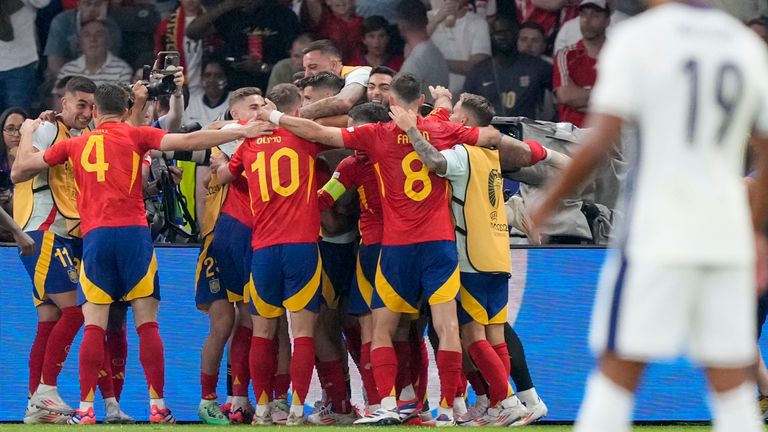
<point x="93" y="294"/>
<point x="365" y="286"/>
<point x="264" y="309"/>
<point x="247" y="290"/>
<point x="43" y="266"/>
<point x="233" y="297"/>
<point x="300" y="300"/>
<point x="447" y="290"/>
<point x="499" y="318"/>
<point x="473" y="307"/>
<point x="201" y="258"/>
<point x="146" y="286"/>
<point x="389" y="296"/>
<point x="329" y="292"/>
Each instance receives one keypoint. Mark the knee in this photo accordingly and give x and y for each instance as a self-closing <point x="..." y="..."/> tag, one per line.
<point x="221" y="328"/>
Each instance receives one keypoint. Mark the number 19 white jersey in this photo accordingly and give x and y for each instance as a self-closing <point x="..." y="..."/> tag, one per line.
<point x="695" y="83"/>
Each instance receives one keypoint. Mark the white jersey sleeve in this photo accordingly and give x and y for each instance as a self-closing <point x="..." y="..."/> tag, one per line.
<point x="457" y="161"/>
<point x="229" y="148"/>
<point x="44" y="136"/>
<point x="615" y="89"/>
<point x="358" y="76"/>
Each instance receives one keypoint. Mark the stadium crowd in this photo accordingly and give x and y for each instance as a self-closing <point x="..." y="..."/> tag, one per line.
<point x="313" y="88"/>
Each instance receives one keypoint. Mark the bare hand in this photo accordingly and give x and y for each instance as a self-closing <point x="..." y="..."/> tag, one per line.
<point x="140" y="93"/>
<point x="29" y="126"/>
<point x="256" y="128"/>
<point x="178" y="77"/>
<point x="449" y="7"/>
<point x="25" y="243"/>
<point x="266" y="110"/>
<point x="218" y="160"/>
<point x="176" y="172"/>
<point x="49" y="116"/>
<point x="439" y="91"/>
<point x="405" y="120"/>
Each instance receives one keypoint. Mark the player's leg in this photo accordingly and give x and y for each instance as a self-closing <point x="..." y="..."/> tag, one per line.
<point x="262" y="364"/>
<point x="221" y="316"/>
<point x="47" y="315"/>
<point x="337" y="408"/>
<point x="512" y="348"/>
<point x="117" y="347"/>
<point x="408" y="403"/>
<point x="91" y="360"/>
<point x="241" y="410"/>
<point x="282" y="379"/>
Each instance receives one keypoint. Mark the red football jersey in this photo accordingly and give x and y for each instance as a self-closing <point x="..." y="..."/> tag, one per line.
<point x="107" y="169"/>
<point x="357" y="171"/>
<point x="414" y="201"/>
<point x="573" y="65"/>
<point x="281" y="180"/>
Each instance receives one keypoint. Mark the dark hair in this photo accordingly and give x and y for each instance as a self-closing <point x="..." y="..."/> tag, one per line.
<point x="407" y="87"/>
<point x="374" y="23"/>
<point x="112" y="99"/>
<point x="761" y="21"/>
<point x="479" y="107"/>
<point x="62" y="83"/>
<point x="80" y="84"/>
<point x="223" y="64"/>
<point x="534" y="26"/>
<point x="369" y="112"/>
<point x="383" y="70"/>
<point x="3" y="148"/>
<point x="242" y="93"/>
<point x="285" y="96"/>
<point x="412" y="13"/>
<point x="324" y="46"/>
<point x="326" y="80"/>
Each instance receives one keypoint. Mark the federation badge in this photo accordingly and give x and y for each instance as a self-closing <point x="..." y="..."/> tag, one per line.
<point x="214" y="286"/>
<point x="525" y="81"/>
<point x="72" y="273"/>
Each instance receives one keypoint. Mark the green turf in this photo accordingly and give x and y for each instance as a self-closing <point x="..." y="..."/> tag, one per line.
<point x="201" y="428"/>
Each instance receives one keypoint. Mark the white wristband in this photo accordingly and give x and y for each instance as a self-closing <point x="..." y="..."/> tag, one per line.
<point x="274" y="117"/>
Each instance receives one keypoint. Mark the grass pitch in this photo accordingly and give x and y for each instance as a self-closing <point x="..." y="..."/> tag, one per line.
<point x="206" y="428"/>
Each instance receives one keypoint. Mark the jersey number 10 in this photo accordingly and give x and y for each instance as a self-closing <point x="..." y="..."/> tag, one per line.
<point x="260" y="166"/>
<point x="729" y="88"/>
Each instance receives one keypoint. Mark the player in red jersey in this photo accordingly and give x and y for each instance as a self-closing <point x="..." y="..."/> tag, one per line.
<point x="118" y="257"/>
<point x="418" y="257"/>
<point x="286" y="265"/>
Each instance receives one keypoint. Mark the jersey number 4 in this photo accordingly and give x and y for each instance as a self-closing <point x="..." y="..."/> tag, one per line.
<point x="100" y="167"/>
<point x="729" y="89"/>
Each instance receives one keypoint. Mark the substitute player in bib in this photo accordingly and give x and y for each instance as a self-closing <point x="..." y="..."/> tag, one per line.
<point x="286" y="265"/>
<point x="693" y="113"/>
<point x="118" y="258"/>
<point x="223" y="270"/>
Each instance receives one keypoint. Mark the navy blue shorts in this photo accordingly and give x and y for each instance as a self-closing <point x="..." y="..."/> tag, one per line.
<point x="54" y="266"/>
<point x="365" y="278"/>
<point x="338" y="271"/>
<point x="483" y="298"/>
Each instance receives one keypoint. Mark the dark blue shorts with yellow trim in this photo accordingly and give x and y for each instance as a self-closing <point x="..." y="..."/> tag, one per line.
<point x="53" y="268"/>
<point x="285" y="276"/>
<point x="119" y="264"/>
<point x="483" y="298"/>
<point x="338" y="271"/>
<point x="409" y="274"/>
<point x="224" y="263"/>
<point x="365" y="276"/>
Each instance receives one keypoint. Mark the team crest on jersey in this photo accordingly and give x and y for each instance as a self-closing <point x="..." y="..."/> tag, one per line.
<point x="214" y="286"/>
<point x="494" y="183"/>
<point x="72" y="273"/>
<point x="525" y="81"/>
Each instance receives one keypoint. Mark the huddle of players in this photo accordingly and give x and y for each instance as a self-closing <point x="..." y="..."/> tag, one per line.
<point x="400" y="263"/>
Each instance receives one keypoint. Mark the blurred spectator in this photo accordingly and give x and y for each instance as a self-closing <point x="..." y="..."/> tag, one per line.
<point x="206" y="107"/>
<point x="10" y="120"/>
<point x="51" y="93"/>
<point x="570" y="32"/>
<point x="376" y="49"/>
<point x="336" y="21"/>
<point x="96" y="62"/>
<point x="378" y="85"/>
<point x="382" y="8"/>
<point x="422" y="57"/>
<point x="760" y="27"/>
<point x="18" y="51"/>
<point x="575" y="73"/>
<point x="531" y="41"/>
<point x="548" y="14"/>
<point x="319" y="86"/>
<point x="256" y="35"/>
<point x="514" y="82"/>
<point x="138" y="20"/>
<point x="63" y="43"/>
<point x="284" y="70"/>
<point x="171" y="36"/>
<point x="743" y="10"/>
<point x="462" y="37"/>
<point x="485" y="8"/>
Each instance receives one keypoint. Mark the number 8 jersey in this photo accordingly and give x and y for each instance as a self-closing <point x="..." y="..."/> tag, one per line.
<point x="281" y="180"/>
<point x="414" y="201"/>
<point x="107" y="169"/>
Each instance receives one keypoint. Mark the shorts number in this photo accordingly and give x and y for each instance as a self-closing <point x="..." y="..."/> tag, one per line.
<point x="260" y="165"/>
<point x="209" y="263"/>
<point x="411" y="177"/>
<point x="99" y="167"/>
<point x="63" y="256"/>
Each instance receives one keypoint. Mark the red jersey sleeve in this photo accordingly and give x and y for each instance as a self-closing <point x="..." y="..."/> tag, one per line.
<point x="457" y="133"/>
<point x="57" y="154"/>
<point x="439" y="113"/>
<point x="361" y="137"/>
<point x="236" y="163"/>
<point x="149" y="138"/>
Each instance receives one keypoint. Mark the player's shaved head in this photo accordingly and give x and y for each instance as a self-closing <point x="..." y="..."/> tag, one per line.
<point x="111" y="99"/>
<point x="406" y="88"/>
<point x="80" y="84"/>
<point x="286" y="97"/>
<point x="369" y="112"/>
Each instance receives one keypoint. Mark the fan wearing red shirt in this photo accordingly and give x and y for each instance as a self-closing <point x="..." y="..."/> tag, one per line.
<point x="118" y="257"/>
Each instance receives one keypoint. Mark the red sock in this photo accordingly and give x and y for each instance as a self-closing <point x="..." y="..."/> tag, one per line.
<point x="384" y="362"/>
<point x="366" y="375"/>
<point x="152" y="358"/>
<point x="423" y="370"/>
<point x="302" y="364"/>
<point x="91" y="358"/>
<point x="490" y="366"/>
<point x="238" y="357"/>
<point x="280" y="384"/>
<point x="208" y="383"/>
<point x="59" y="342"/>
<point x="503" y="354"/>
<point x="117" y="345"/>
<point x="331" y="376"/>
<point x="477" y="382"/>
<point x="37" y="353"/>
<point x="404" y="365"/>
<point x="461" y="387"/>
<point x="106" y="386"/>
<point x="262" y="368"/>
<point x="449" y="370"/>
<point x="353" y="340"/>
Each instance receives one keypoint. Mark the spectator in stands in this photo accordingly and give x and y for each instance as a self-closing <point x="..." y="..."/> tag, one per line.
<point x="382" y="8"/>
<point x="485" y="8"/>
<point x="378" y="85"/>
<point x="10" y="121"/>
<point x="463" y="38"/>
<point x="422" y="57"/>
<point x="18" y="52"/>
<point x="256" y="34"/>
<point x="376" y="49"/>
<point x="547" y="13"/>
<point x="514" y="82"/>
<point x="96" y="62"/>
<point x="213" y="103"/>
<point x="760" y="27"/>
<point x="286" y="68"/>
<point x="336" y="21"/>
<point x="138" y="21"/>
<point x="63" y="43"/>
<point x="531" y="40"/>
<point x="574" y="72"/>
<point x="570" y="31"/>
<point x="319" y="86"/>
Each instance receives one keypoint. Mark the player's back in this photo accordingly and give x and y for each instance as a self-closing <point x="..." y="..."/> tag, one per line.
<point x="692" y="80"/>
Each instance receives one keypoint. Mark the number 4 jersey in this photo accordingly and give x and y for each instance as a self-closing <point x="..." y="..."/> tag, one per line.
<point x="414" y="200"/>
<point x="281" y="179"/>
<point x="694" y="81"/>
<point x="107" y="168"/>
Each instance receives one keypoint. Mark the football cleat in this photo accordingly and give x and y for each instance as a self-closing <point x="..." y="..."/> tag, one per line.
<point x="280" y="409"/>
<point x="763" y="402"/>
<point x="226" y="408"/>
<point x="265" y="417"/>
<point x="328" y="417"/>
<point x="536" y="412"/>
<point x="35" y="415"/>
<point x="380" y="417"/>
<point x="161" y="416"/>
<point x="294" y="420"/>
<point x="242" y="411"/>
<point x="50" y="401"/>
<point x="474" y="412"/>
<point x="210" y="413"/>
<point x="119" y="418"/>
<point x="444" y="420"/>
<point x="83" y="417"/>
